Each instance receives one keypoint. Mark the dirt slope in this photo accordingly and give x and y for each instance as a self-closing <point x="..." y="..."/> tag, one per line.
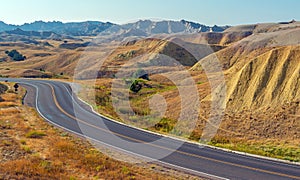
<point x="269" y="79"/>
<point x="262" y="69"/>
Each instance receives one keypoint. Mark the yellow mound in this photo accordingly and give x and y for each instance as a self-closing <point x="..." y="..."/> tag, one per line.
<point x="270" y="79"/>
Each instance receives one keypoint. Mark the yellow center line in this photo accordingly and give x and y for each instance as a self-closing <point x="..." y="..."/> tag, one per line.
<point x="162" y="147"/>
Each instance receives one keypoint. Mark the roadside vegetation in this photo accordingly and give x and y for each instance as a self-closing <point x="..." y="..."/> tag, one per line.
<point x="248" y="132"/>
<point x="31" y="148"/>
<point x="286" y="150"/>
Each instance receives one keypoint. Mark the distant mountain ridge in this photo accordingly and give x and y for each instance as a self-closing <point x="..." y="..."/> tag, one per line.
<point x="32" y="37"/>
<point x="92" y="28"/>
<point x="73" y="29"/>
<point x="170" y="27"/>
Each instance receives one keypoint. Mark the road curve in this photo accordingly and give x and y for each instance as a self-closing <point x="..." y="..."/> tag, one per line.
<point x="56" y="103"/>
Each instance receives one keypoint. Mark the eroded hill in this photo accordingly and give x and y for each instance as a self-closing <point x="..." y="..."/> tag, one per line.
<point x="260" y="63"/>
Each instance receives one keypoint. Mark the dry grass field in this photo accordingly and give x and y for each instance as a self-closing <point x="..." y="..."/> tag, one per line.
<point x="31" y="148"/>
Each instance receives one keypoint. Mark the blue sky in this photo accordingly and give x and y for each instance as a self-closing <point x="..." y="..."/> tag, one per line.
<point x="210" y="12"/>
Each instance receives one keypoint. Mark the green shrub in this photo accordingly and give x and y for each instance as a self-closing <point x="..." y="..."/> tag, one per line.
<point x="23" y="141"/>
<point x="35" y="134"/>
<point x="135" y="86"/>
<point x="15" y="55"/>
<point x="164" y="125"/>
<point x="26" y="149"/>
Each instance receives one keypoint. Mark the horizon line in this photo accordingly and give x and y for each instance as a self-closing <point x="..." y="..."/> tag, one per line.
<point x="130" y="21"/>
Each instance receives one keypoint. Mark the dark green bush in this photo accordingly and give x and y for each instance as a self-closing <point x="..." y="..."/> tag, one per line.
<point x="15" y="55"/>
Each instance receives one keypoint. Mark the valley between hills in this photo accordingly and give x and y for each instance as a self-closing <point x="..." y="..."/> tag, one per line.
<point x="260" y="64"/>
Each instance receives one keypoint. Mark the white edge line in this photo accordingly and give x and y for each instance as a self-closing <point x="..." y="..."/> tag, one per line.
<point x="154" y="160"/>
<point x="247" y="155"/>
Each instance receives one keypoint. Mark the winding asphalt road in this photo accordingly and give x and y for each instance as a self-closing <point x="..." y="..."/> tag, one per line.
<point x="55" y="102"/>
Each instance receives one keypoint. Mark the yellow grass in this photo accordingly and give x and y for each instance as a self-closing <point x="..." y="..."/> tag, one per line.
<point x="57" y="154"/>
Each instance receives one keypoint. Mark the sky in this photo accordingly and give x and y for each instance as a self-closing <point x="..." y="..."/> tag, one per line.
<point x="209" y="12"/>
